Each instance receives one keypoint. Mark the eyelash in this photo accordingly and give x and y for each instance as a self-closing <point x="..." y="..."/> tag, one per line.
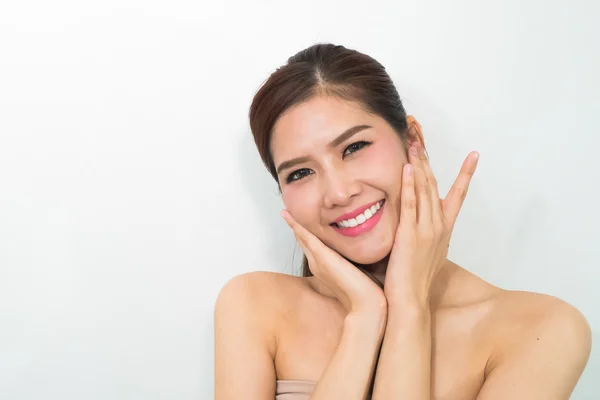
<point x="290" y="178"/>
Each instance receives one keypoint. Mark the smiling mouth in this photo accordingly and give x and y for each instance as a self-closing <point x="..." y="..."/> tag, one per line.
<point x="360" y="218"/>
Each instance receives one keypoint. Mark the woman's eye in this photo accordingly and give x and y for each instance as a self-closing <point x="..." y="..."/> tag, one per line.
<point x="355" y="147"/>
<point x="298" y="174"/>
<point x="303" y="172"/>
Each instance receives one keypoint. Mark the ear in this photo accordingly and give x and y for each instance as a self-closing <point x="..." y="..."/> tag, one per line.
<point x="414" y="131"/>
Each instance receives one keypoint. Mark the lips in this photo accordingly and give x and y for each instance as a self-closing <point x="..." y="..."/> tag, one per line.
<point x="361" y="225"/>
<point x="356" y="212"/>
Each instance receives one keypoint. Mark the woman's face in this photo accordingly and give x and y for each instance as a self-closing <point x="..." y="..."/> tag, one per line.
<point x="329" y="179"/>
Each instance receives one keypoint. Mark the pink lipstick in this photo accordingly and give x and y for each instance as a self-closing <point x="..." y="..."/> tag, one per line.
<point x="361" y="220"/>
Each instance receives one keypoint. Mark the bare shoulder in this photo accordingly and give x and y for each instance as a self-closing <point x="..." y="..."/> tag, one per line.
<point x="527" y="314"/>
<point x="518" y="316"/>
<point x="259" y="294"/>
<point x="541" y="345"/>
<point x="245" y="316"/>
<point x="260" y="286"/>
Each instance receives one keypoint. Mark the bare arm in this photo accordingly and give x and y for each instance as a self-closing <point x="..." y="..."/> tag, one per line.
<point x="350" y="370"/>
<point x="404" y="367"/>
<point x="245" y="346"/>
<point x="244" y="352"/>
<point x="419" y="252"/>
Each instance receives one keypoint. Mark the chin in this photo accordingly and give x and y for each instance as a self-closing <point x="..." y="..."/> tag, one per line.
<point x="368" y="255"/>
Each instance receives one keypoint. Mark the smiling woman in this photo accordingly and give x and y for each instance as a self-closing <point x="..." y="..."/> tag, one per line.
<point x="379" y="311"/>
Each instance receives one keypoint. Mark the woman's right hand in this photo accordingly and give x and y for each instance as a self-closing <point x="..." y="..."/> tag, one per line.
<point x="359" y="295"/>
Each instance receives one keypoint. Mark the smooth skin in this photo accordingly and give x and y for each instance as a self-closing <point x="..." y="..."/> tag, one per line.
<point x="443" y="332"/>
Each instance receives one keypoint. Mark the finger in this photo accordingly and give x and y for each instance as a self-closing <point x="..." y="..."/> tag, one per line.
<point x="458" y="192"/>
<point x="323" y="262"/>
<point x="408" y="200"/>
<point x="301" y="233"/>
<point x="302" y="237"/>
<point x="312" y="264"/>
<point x="311" y="245"/>
<point x="436" y="202"/>
<point x="421" y="185"/>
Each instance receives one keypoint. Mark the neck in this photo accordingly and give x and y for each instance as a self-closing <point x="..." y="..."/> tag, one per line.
<point x="375" y="271"/>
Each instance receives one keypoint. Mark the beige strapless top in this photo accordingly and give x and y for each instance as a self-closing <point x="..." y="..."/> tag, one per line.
<point x="294" y="390"/>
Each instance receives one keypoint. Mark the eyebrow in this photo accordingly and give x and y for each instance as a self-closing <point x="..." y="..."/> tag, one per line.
<point x="347" y="134"/>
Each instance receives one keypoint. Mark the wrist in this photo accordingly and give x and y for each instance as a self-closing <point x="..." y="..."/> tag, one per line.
<point x="412" y="307"/>
<point x="409" y="318"/>
<point x="366" y="326"/>
<point x="408" y="294"/>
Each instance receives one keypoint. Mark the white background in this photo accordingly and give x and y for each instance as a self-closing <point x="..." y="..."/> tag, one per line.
<point x="131" y="191"/>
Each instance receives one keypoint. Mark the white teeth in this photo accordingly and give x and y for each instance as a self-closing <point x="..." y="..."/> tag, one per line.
<point x="359" y="219"/>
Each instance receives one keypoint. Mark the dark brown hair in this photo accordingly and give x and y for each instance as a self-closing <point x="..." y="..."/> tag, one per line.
<point x="324" y="69"/>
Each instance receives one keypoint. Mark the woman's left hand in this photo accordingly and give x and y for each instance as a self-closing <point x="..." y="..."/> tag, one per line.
<point x="423" y="234"/>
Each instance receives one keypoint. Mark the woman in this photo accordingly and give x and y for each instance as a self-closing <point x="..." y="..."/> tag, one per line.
<point x="380" y="311"/>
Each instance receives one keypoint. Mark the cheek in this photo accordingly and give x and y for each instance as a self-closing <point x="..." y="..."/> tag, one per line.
<point x="383" y="166"/>
<point x="302" y="203"/>
<point x="383" y="170"/>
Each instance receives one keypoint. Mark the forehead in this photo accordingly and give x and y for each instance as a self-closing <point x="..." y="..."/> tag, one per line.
<point x="315" y="123"/>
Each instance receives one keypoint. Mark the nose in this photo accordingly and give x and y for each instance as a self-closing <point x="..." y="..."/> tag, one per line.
<point x="339" y="188"/>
